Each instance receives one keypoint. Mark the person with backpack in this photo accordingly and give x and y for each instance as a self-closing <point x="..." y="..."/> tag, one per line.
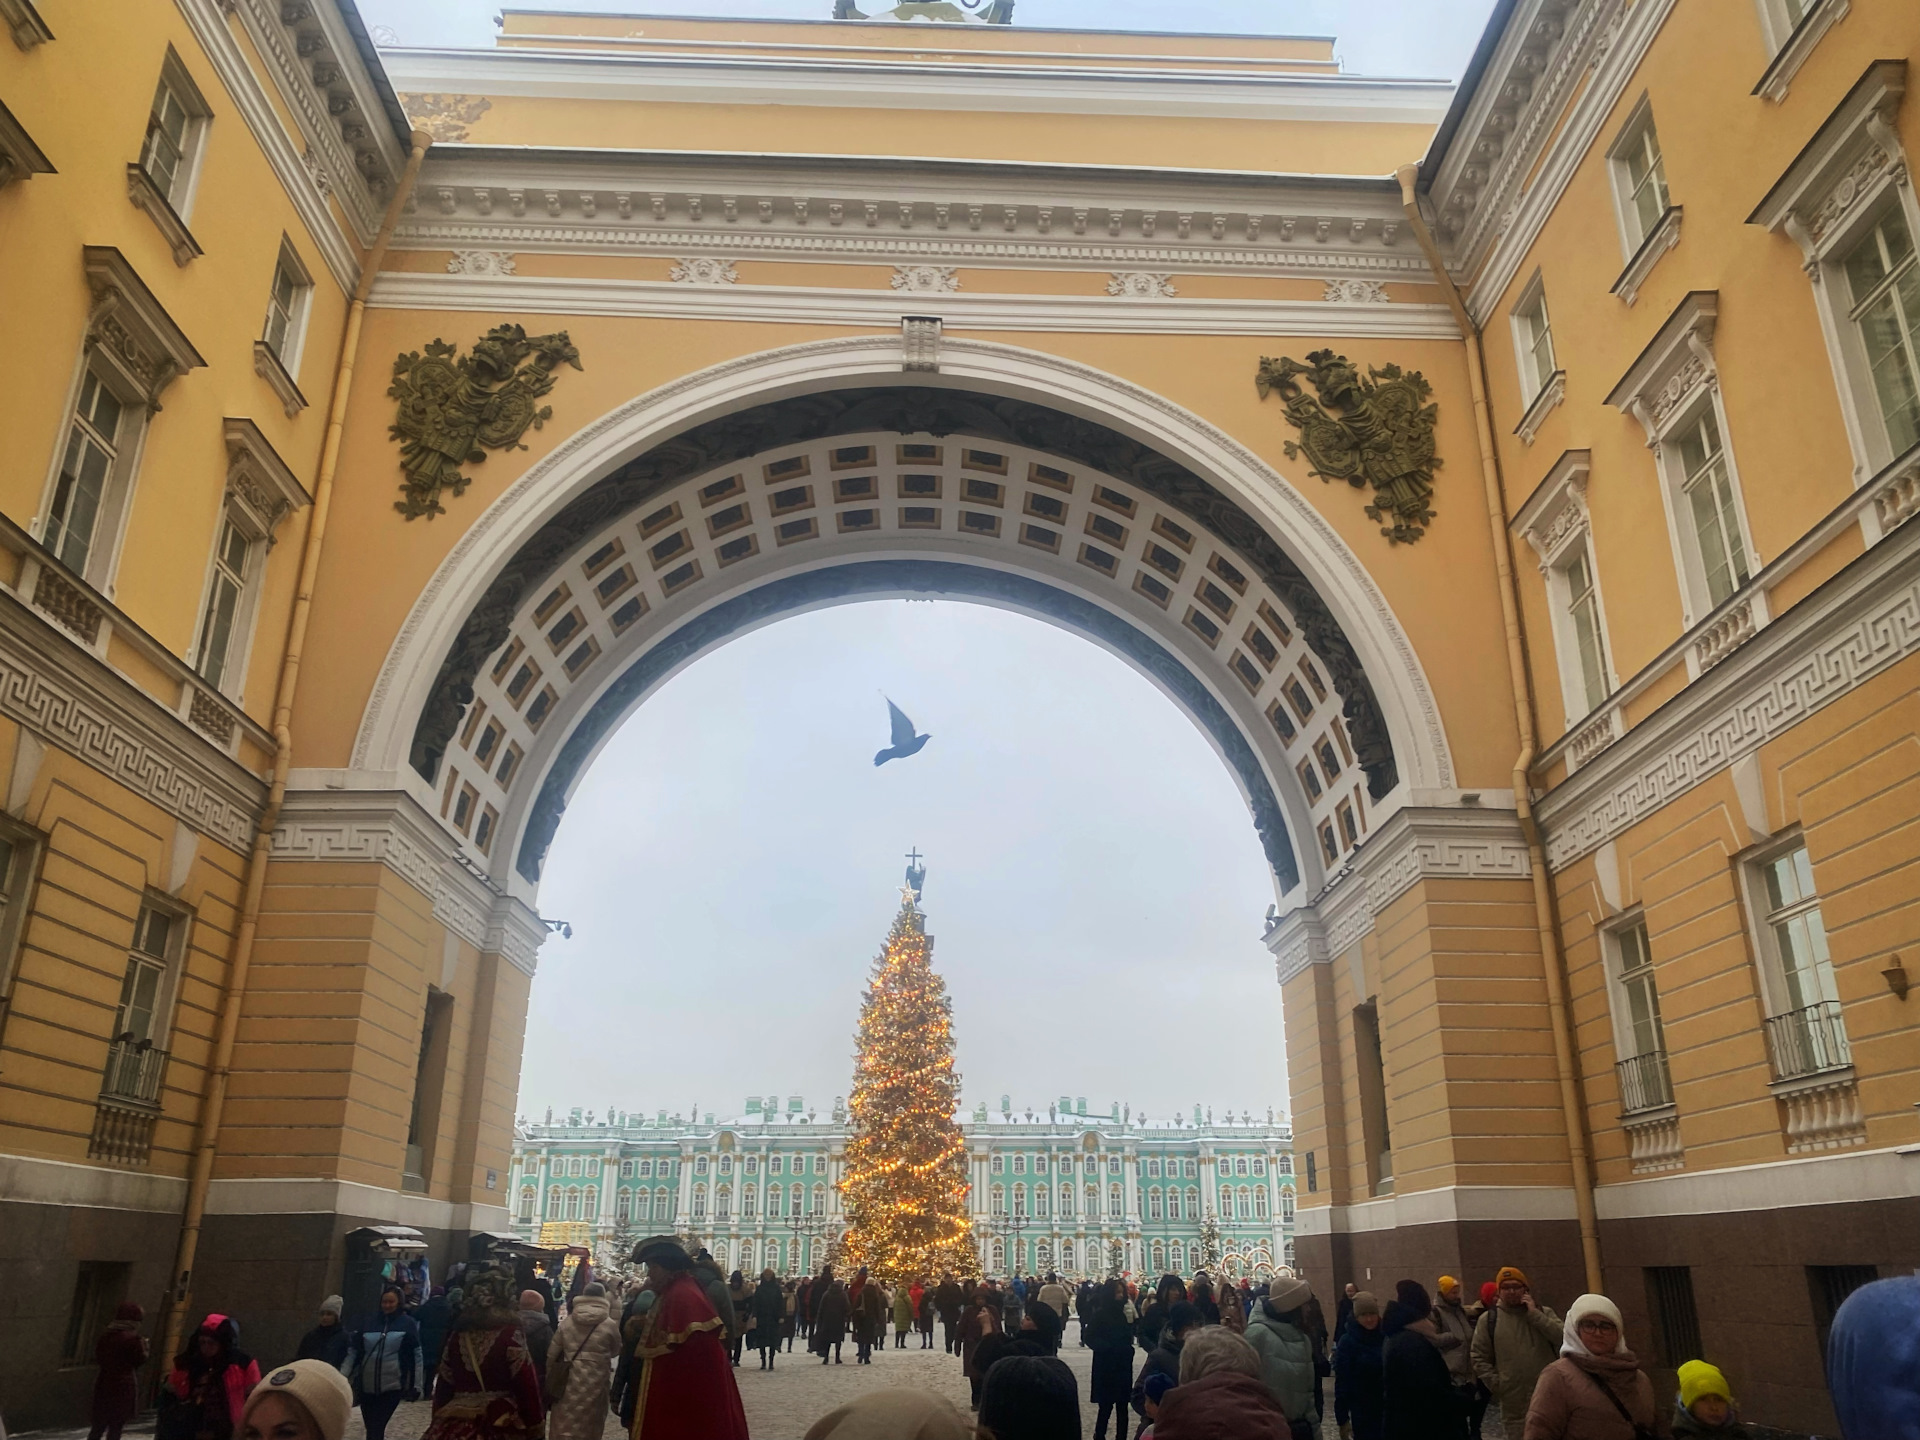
<point x="383" y="1363"/>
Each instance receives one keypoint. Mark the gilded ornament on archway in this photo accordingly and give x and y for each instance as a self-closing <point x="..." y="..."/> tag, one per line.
<point x="1374" y="432"/>
<point x="451" y="407"/>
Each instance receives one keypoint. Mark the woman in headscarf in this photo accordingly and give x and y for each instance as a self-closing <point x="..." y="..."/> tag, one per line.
<point x="487" y="1386"/>
<point x="769" y="1305"/>
<point x="1596" y="1389"/>
<point x="119" y="1352"/>
<point x="1110" y="1334"/>
<point x="213" y="1377"/>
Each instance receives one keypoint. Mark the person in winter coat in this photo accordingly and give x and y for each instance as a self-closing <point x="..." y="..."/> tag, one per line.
<point x="433" y="1318"/>
<point x="902" y="1315"/>
<point x="1220" y="1395"/>
<point x="535" y="1326"/>
<point x="1343" y="1312"/>
<point x="120" y="1351"/>
<point x="1110" y="1334"/>
<point x="831" y="1310"/>
<point x="1596" y="1390"/>
<point x="1451" y="1316"/>
<point x="1416" y="1385"/>
<point x="869" y="1301"/>
<point x="769" y="1317"/>
<point x="1278" y="1334"/>
<point x="212" y="1378"/>
<point x="1873" y="1361"/>
<point x="978" y="1322"/>
<point x="803" y="1309"/>
<point x="1512" y="1343"/>
<point x="1706" y="1411"/>
<point x="948" y="1300"/>
<point x="714" y="1283"/>
<point x="327" y="1340"/>
<point x="740" y="1296"/>
<point x="1164" y="1358"/>
<point x="1313" y="1324"/>
<point x="923" y="1314"/>
<point x="1054" y="1294"/>
<point x="383" y="1363"/>
<point x="1359" y="1397"/>
<point x="580" y="1367"/>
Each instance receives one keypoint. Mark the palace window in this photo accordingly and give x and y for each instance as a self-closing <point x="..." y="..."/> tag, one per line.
<point x="726" y="1165"/>
<point x="699" y="1164"/>
<point x="747" y="1202"/>
<point x="1580" y="604"/>
<point x="1019" y="1199"/>
<point x="1286" y="1204"/>
<point x="553" y="1204"/>
<point x="1040" y="1193"/>
<point x="1153" y="1205"/>
<point x="1284" y="1164"/>
<point x="774" y="1197"/>
<point x="1000" y="1256"/>
<point x="1260" y="1204"/>
<point x="663" y="1204"/>
<point x="819" y="1200"/>
<point x="776" y="1165"/>
<point x="1639" y="178"/>
<point x="1706" y="486"/>
<point x="176" y="130"/>
<point x="1019" y="1164"/>
<point x="1533" y="342"/>
<point x="1240" y="1165"/>
<point x="1093" y="1202"/>
<point x="1883" y="284"/>
<point x="626" y="1169"/>
<point x="1114" y="1203"/>
<point x="1153" y="1169"/>
<point x="1806" y="1034"/>
<point x="699" y="1201"/>
<point x="1159" y="1255"/>
<point x="723" y="1203"/>
<point x="572" y="1211"/>
<point x="1177" y="1257"/>
<point x="1259" y="1165"/>
<point x="623" y="1206"/>
<point x="527" y="1198"/>
<point x="644" y="1168"/>
<point x="999" y="1200"/>
<point x="1639" y="1039"/>
<point x="288" y="300"/>
<point x="87" y="473"/>
<point x="591" y="1201"/>
<point x="999" y="1164"/>
<point x="752" y="1163"/>
<point x="1066" y="1202"/>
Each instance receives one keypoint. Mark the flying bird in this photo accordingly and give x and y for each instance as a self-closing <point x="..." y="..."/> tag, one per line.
<point x="905" y="742"/>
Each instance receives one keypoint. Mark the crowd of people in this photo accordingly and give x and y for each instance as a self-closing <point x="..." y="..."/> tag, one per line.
<point x="504" y="1357"/>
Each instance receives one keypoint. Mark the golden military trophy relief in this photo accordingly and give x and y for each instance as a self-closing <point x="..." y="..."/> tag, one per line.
<point x="1377" y="431"/>
<point x="450" y="408"/>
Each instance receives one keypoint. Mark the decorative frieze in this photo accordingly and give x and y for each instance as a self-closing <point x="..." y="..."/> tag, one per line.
<point x="920" y="342"/>
<point x="703" y="270"/>
<point x="1355" y="292"/>
<point x="1853" y="155"/>
<point x="1662" y="382"/>
<point x="480" y="262"/>
<point x="926" y="279"/>
<point x="259" y="482"/>
<point x="130" y="329"/>
<point x="1140" y="284"/>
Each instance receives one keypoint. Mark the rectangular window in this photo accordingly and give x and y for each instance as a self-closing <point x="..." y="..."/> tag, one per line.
<point x="227" y="597"/>
<point x="1533" y="336"/>
<point x="1883" y="286"/>
<point x="1706" y="487"/>
<point x="287" y="308"/>
<point x="1583" y="624"/>
<point x="1639" y="1038"/>
<point x="98" y="1290"/>
<point x="1640" y="178"/>
<point x="172" y="141"/>
<point x="1805" y="1031"/>
<point x="86" y="473"/>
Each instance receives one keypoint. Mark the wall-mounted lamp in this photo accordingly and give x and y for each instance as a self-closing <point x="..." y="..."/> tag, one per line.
<point x="1896" y="974"/>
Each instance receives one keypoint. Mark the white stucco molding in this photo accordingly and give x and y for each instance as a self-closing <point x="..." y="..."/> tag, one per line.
<point x="824" y="305"/>
<point x="322" y="1196"/>
<point x="1449" y="1205"/>
<point x="1406" y="700"/>
<point x="1860" y="1175"/>
<point x="30" y="1180"/>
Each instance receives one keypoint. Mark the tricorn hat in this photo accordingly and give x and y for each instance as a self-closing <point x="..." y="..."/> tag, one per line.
<point x="662" y="1250"/>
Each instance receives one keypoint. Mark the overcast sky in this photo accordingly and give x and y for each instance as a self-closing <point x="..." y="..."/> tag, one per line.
<point x="1095" y="887"/>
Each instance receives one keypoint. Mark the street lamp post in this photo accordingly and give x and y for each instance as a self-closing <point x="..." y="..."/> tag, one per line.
<point x="1010" y="1227"/>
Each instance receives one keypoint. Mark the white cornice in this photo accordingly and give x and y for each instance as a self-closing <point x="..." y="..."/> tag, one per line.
<point x="1619" y="48"/>
<point x="337" y="248"/>
<point x="906" y="84"/>
<point x="884" y="309"/>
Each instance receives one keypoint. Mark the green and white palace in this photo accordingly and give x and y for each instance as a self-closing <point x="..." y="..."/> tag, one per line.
<point x="1060" y="1190"/>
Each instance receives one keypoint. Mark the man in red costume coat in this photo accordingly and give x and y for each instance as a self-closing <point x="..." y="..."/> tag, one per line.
<point x="685" y="1388"/>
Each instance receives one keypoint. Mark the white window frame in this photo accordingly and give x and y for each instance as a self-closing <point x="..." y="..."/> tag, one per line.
<point x="1791" y="41"/>
<point x="1527" y="335"/>
<point x="1674" y="381"/>
<point x="1693" y="419"/>
<point x="172" y="964"/>
<point x="1775" y="995"/>
<point x="123" y="448"/>
<point x="1848" y="176"/>
<point x="1634" y="232"/>
<point x="18" y="882"/>
<point x="294" y="338"/>
<point x="193" y="148"/>
<point x="1558" y="526"/>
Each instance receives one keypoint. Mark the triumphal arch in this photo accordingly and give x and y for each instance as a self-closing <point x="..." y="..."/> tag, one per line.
<point x="1510" y="480"/>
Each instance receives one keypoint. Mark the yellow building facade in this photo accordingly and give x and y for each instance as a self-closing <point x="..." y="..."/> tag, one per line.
<point x="1524" y="526"/>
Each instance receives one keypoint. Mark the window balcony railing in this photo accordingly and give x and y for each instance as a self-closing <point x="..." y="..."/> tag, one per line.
<point x="1808" y="1041"/>
<point x="134" y="1072"/>
<point x="1644" y="1082"/>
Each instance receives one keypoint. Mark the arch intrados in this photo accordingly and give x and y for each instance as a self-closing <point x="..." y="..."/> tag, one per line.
<point x="486" y="548"/>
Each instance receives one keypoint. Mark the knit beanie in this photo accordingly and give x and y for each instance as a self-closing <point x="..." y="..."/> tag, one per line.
<point x="1365" y="1304"/>
<point x="333" y="1305"/>
<point x="321" y="1391"/>
<point x="1511" y="1272"/>
<point x="1155" y="1386"/>
<point x="1698" y="1378"/>
<point x="1413" y="1297"/>
<point x="1489" y="1293"/>
<point x="1449" y="1287"/>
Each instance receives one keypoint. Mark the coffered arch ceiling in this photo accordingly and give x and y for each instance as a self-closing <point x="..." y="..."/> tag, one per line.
<point x="901" y="489"/>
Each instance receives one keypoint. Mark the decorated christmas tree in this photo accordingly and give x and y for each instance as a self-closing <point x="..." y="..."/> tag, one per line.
<point x="905" y="1191"/>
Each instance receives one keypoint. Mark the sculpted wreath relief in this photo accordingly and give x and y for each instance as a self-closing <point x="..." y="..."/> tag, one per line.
<point x="1377" y="431"/>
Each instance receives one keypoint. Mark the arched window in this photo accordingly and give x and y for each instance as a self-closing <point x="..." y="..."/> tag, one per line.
<point x="1153" y="1203"/>
<point x="1177" y="1258"/>
<point x="645" y="1169"/>
<point x="1260" y="1203"/>
<point x="1113" y="1164"/>
<point x="1173" y="1204"/>
<point x="1043" y="1255"/>
<point x="1159" y="1255"/>
<point x="1093" y="1202"/>
<point x="626" y="1169"/>
<point x="999" y="1200"/>
<point x="573" y="1205"/>
<point x="593" y="1167"/>
<point x="1000" y="1256"/>
<point x="1066" y="1202"/>
<point x="1240" y="1166"/>
<point x="726" y="1164"/>
<point x="592" y="1202"/>
<point x="774" y="1196"/>
<point x="623" y="1206"/>
<point x="1284" y="1164"/>
<point x="753" y="1164"/>
<point x="1259" y="1166"/>
<point x="1040" y="1193"/>
<point x="699" y="1199"/>
<point x="819" y="1200"/>
<point x="1286" y="1207"/>
<point x="723" y="1203"/>
<point x="699" y="1164"/>
<point x="1191" y="1170"/>
<point x="1113" y="1202"/>
<point x="527" y="1199"/>
<point x="1019" y="1199"/>
<point x="1019" y="1164"/>
<point x="1193" y="1203"/>
<point x="999" y="1164"/>
<point x="663" y="1204"/>
<point x="746" y="1254"/>
<point x="1153" y="1169"/>
<point x="747" y="1203"/>
<point x="776" y="1165"/>
<point x="798" y="1193"/>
